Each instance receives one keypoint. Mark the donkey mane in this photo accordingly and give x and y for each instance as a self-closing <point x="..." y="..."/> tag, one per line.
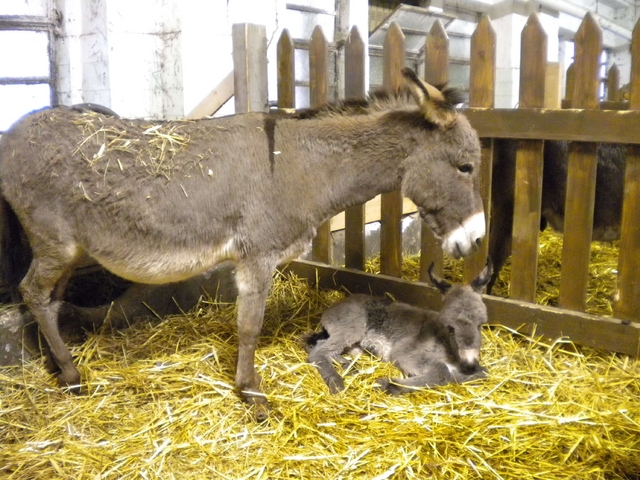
<point x="377" y="101"/>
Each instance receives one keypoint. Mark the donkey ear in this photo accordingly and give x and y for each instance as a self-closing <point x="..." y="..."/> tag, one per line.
<point x="434" y="106"/>
<point x="483" y="278"/>
<point x="440" y="283"/>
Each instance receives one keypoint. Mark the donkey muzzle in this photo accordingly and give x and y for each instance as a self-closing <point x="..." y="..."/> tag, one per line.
<point x="463" y="241"/>
<point x="469" y="360"/>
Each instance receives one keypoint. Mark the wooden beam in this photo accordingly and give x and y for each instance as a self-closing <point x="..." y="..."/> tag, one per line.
<point x="214" y="100"/>
<point x="582" y="328"/>
<point x="615" y="126"/>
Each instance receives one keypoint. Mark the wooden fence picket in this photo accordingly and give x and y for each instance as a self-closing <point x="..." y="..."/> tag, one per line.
<point x="436" y="72"/>
<point x="481" y="95"/>
<point x="319" y="95"/>
<point x="529" y="162"/>
<point x="613" y="83"/>
<point x="391" y="203"/>
<point x="581" y="176"/>
<point x="354" y="88"/>
<point x="286" y="71"/>
<point x="628" y="305"/>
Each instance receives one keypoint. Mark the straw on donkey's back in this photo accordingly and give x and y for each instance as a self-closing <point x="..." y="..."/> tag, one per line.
<point x="160" y="202"/>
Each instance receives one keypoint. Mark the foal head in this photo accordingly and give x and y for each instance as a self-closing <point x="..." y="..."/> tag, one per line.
<point x="464" y="313"/>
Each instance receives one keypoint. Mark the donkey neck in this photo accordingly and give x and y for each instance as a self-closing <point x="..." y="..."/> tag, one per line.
<point x="358" y="157"/>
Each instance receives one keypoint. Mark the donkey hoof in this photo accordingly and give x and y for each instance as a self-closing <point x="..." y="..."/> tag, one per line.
<point x="69" y="381"/>
<point x="257" y="404"/>
<point x="259" y="408"/>
<point x="261" y="412"/>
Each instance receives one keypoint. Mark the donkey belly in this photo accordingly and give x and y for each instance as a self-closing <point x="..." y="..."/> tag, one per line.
<point x="167" y="264"/>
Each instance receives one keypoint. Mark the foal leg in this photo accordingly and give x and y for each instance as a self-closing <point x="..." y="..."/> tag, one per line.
<point x="253" y="282"/>
<point x="435" y="375"/>
<point x="42" y="289"/>
<point x="322" y="356"/>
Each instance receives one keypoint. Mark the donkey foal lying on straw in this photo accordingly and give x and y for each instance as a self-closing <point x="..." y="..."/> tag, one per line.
<point x="430" y="348"/>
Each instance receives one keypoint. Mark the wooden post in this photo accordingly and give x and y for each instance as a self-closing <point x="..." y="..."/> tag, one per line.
<point x="613" y="83"/>
<point x="581" y="174"/>
<point x="354" y="88"/>
<point x="250" y="67"/>
<point x="529" y="161"/>
<point x="436" y="72"/>
<point x="628" y="303"/>
<point x="481" y="95"/>
<point x="568" y="91"/>
<point x="391" y="204"/>
<point x="319" y="94"/>
<point x="286" y="71"/>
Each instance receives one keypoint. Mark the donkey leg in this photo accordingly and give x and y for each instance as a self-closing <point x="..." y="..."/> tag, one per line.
<point x="253" y="283"/>
<point x="435" y="375"/>
<point x="42" y="290"/>
<point x="480" y="372"/>
<point x="322" y="356"/>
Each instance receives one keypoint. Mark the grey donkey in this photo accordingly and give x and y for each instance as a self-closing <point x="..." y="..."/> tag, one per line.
<point x="431" y="348"/>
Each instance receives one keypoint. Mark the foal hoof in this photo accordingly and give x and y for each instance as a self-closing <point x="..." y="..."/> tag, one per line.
<point x="387" y="386"/>
<point x="335" y="384"/>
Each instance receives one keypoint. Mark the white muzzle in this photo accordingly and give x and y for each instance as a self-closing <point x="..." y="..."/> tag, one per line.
<point x="462" y="241"/>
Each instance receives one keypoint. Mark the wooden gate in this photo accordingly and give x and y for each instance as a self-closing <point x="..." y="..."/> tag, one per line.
<point x="583" y="125"/>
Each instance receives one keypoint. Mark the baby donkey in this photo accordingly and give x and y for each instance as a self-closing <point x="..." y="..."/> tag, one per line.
<point x="430" y="348"/>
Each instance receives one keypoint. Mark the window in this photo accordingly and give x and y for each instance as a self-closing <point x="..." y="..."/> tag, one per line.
<point x="25" y="66"/>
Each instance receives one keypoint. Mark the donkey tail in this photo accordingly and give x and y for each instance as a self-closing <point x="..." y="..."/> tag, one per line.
<point x="15" y="252"/>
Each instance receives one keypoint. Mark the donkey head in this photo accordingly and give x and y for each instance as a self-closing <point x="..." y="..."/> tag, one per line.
<point x="464" y="313"/>
<point x="440" y="174"/>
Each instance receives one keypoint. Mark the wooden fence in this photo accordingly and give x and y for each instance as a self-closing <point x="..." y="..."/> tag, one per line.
<point x="584" y="124"/>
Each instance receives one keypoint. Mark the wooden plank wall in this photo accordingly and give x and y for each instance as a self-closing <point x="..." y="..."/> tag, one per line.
<point x="584" y="125"/>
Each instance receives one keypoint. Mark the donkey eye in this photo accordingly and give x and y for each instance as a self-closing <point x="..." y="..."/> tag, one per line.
<point x="466" y="168"/>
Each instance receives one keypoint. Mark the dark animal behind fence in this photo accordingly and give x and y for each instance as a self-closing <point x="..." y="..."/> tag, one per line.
<point x="158" y="202"/>
<point x="430" y="348"/>
<point x="608" y="201"/>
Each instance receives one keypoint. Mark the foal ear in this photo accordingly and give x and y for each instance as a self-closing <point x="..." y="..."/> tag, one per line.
<point x="435" y="107"/>
<point x="483" y="278"/>
<point x="439" y="283"/>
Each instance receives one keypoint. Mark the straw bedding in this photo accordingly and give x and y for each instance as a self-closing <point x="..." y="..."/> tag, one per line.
<point x="159" y="403"/>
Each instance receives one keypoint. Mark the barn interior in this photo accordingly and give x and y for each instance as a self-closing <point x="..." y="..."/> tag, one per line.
<point x="563" y="396"/>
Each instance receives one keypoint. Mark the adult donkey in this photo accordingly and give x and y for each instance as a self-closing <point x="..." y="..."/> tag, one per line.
<point x="158" y="202"/>
<point x="607" y="214"/>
